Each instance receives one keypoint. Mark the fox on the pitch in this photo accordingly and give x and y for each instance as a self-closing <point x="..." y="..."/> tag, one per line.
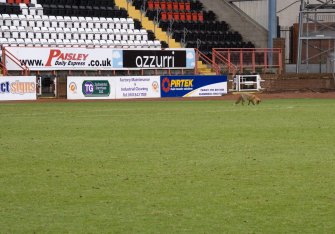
<point x="250" y="98"/>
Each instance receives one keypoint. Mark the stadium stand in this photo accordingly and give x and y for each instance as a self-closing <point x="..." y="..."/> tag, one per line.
<point x="192" y="25"/>
<point x="93" y="23"/>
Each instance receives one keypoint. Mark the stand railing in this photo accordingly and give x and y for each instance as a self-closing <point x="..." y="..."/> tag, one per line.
<point x="224" y="64"/>
<point x="252" y="60"/>
<point x="8" y="55"/>
<point x="199" y="56"/>
<point x="3" y="69"/>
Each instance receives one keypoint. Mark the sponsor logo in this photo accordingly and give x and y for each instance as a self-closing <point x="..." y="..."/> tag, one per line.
<point x="166" y="85"/>
<point x="176" y="84"/>
<point x="73" y="87"/>
<point x="96" y="88"/>
<point x="17" y="87"/>
<point x="154" y="59"/>
<point x="61" y="58"/>
<point x="155" y="86"/>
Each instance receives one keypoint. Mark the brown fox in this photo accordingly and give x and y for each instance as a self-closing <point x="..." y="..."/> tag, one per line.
<point x="251" y="98"/>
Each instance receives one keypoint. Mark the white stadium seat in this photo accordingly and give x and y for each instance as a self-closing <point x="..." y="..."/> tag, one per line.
<point x="89" y="34"/>
<point x="59" y="42"/>
<point x="74" y="43"/>
<point x="81" y="43"/>
<point x="52" y="42"/>
<point x="75" y="33"/>
<point x="44" y="42"/>
<point x="20" y="42"/>
<point x="12" y="42"/>
<point x="14" y="32"/>
<point x="28" y="42"/>
<point x="36" y="42"/>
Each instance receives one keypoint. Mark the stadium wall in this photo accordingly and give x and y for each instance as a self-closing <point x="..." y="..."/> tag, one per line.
<point x="298" y="82"/>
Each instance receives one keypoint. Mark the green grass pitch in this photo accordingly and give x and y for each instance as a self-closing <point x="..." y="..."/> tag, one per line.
<point x="168" y="167"/>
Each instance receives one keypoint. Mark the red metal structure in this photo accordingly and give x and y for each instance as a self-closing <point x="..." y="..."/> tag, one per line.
<point x="7" y="55"/>
<point x="243" y="60"/>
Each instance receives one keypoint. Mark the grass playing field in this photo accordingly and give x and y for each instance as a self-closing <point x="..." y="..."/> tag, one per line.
<point x="168" y="167"/>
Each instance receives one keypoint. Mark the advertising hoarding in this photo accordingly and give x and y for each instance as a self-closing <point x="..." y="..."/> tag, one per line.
<point x="17" y="88"/>
<point x="193" y="86"/>
<point x="55" y="58"/>
<point x="114" y="87"/>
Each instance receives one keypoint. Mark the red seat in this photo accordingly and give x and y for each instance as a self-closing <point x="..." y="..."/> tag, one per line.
<point x="188" y="6"/>
<point x="163" y="15"/>
<point x="176" y="15"/>
<point x="10" y="1"/>
<point x="170" y="15"/>
<point x="188" y="16"/>
<point x="17" y="1"/>
<point x="194" y="16"/>
<point x="151" y="5"/>
<point x="169" y="6"/>
<point x="27" y="2"/>
<point x="156" y="5"/>
<point x="182" y="15"/>
<point x="163" y="5"/>
<point x="200" y="17"/>
<point x="181" y="6"/>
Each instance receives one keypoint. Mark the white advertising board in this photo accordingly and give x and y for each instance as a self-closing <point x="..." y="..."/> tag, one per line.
<point x="90" y="87"/>
<point x="138" y="87"/>
<point x="48" y="58"/>
<point x="115" y="87"/>
<point x="56" y="58"/>
<point x="217" y="89"/>
<point x="17" y="88"/>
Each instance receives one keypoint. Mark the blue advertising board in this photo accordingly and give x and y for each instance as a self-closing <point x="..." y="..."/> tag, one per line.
<point x="193" y="86"/>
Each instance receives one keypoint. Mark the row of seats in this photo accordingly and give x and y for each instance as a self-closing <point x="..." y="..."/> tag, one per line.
<point x="66" y="21"/>
<point x="179" y="35"/>
<point x="73" y="33"/>
<point x="79" y="2"/>
<point x="182" y="15"/>
<point x="187" y="5"/>
<point x="79" y="43"/>
<point x="93" y="11"/>
<point x="169" y="5"/>
<point x="32" y="9"/>
<point x="208" y="26"/>
<point x="6" y="8"/>
<point x="18" y="1"/>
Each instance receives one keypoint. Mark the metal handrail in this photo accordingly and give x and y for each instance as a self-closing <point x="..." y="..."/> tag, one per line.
<point x="9" y="55"/>
<point x="216" y="54"/>
<point x="202" y="57"/>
